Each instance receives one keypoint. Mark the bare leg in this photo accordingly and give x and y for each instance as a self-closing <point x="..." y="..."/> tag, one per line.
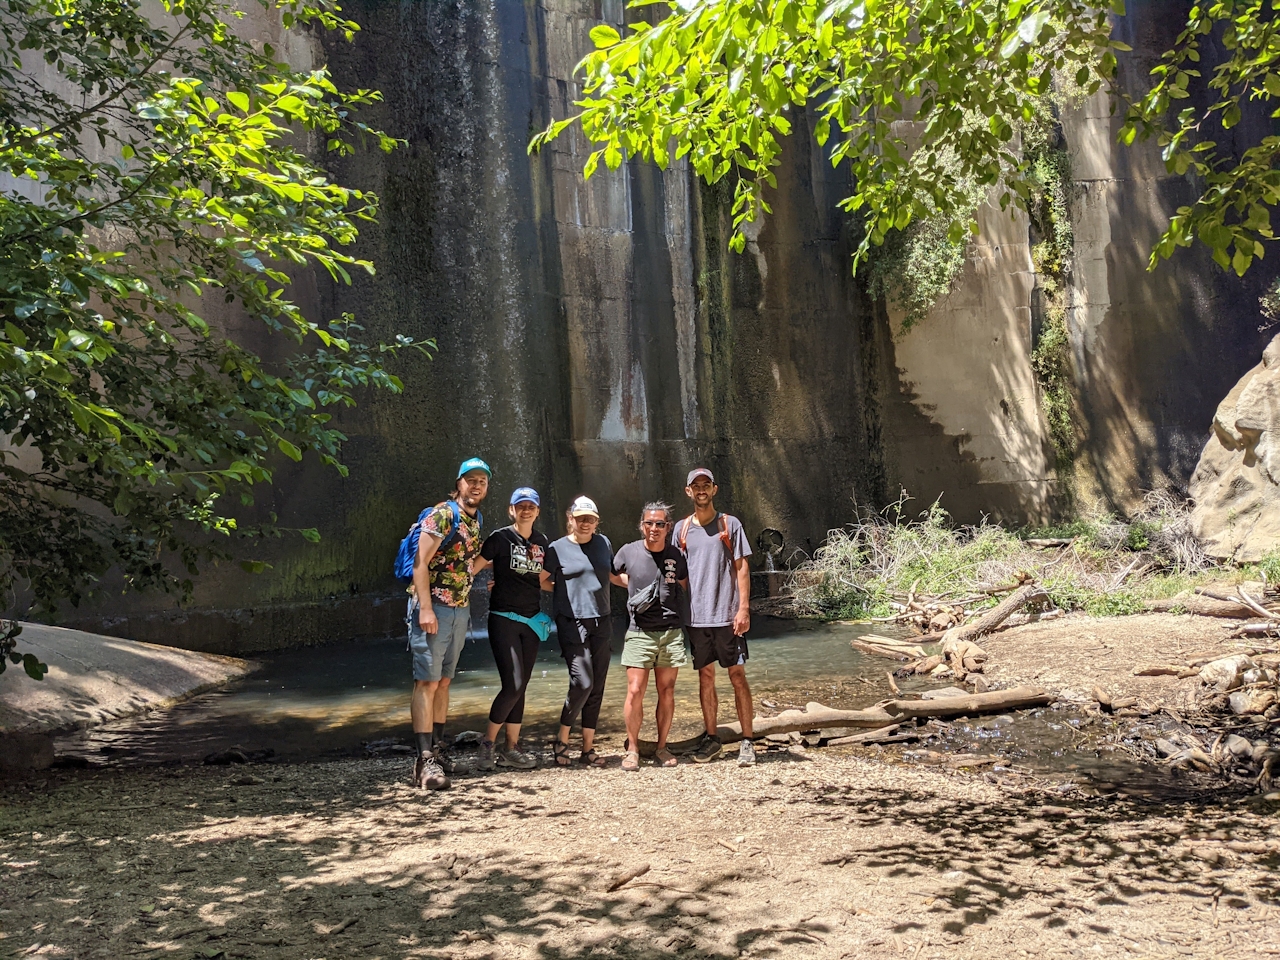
<point x="665" y="678"/>
<point x="564" y="733"/>
<point x="588" y="738"/>
<point x="513" y="735"/>
<point x="440" y="707"/>
<point x="633" y="708"/>
<point x="422" y="704"/>
<point x="742" y="698"/>
<point x="707" y="697"/>
<point x="491" y="731"/>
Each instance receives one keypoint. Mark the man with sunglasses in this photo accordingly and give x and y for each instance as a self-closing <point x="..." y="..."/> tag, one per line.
<point x="715" y="547"/>
<point x="655" y="575"/>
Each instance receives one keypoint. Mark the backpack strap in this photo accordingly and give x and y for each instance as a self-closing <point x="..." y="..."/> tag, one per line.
<point x="724" y="536"/>
<point x="682" y="535"/>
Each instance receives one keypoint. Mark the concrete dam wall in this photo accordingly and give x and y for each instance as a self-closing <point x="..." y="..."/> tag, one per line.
<point x="598" y="337"/>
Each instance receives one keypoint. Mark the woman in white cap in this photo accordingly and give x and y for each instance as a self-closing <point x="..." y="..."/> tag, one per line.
<point x="516" y="625"/>
<point x="577" y="568"/>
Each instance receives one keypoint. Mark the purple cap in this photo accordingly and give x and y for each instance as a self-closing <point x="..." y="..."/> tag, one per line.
<point x="697" y="472"/>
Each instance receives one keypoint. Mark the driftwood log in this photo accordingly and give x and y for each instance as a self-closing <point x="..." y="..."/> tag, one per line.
<point x="996" y="615"/>
<point x="1204" y="607"/>
<point x="815" y="716"/>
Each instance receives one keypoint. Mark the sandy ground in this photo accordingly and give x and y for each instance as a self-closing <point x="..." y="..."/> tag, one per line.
<point x="1073" y="654"/>
<point x="830" y="853"/>
<point x="826" y="854"/>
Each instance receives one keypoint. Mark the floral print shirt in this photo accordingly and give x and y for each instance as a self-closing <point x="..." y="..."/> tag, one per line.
<point x="450" y="568"/>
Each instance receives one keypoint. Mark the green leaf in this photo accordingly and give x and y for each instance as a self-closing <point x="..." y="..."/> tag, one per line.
<point x="239" y="100"/>
<point x="34" y="668"/>
<point x="604" y="36"/>
<point x="288" y="449"/>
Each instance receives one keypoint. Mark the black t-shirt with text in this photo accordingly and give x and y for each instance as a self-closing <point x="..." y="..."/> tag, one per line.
<point x="642" y="566"/>
<point x="517" y="564"/>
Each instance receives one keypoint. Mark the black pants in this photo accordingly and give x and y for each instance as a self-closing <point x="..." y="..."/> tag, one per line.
<point x="515" y="648"/>
<point x="586" y="647"/>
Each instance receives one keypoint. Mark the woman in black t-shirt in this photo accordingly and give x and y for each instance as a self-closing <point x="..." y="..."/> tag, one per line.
<point x="516" y="554"/>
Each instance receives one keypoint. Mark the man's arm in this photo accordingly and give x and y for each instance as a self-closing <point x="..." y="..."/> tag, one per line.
<point x="428" y="543"/>
<point x="618" y="579"/>
<point x="742" y="620"/>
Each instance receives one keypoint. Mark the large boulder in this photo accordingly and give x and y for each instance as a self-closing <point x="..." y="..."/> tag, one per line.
<point x="1236" y="484"/>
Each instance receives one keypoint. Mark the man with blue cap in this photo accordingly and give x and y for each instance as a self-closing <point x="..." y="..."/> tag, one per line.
<point x="448" y="542"/>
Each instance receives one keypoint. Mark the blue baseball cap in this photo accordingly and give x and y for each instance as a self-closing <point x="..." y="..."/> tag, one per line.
<point x="475" y="463"/>
<point x="521" y="494"/>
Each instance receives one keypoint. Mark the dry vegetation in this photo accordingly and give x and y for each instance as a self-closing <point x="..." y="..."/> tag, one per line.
<point x="876" y="567"/>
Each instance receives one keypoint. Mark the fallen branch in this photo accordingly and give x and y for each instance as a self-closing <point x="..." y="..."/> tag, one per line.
<point x="997" y="614"/>
<point x="1204" y="605"/>
<point x="816" y="716"/>
<point x="625" y="878"/>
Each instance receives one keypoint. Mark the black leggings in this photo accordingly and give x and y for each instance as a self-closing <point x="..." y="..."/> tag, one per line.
<point x="515" y="648"/>
<point x="586" y="647"/>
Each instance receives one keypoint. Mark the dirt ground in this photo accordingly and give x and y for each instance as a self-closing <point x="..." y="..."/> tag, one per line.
<point x="825" y="853"/>
<point x="1070" y="655"/>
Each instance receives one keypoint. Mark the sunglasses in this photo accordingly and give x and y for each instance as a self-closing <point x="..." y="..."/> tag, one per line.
<point x="653" y="523"/>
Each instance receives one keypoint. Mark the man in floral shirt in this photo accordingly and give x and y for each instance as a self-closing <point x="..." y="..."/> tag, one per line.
<point x="440" y="613"/>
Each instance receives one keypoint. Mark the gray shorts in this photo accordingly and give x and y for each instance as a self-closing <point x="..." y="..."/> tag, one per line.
<point x="435" y="655"/>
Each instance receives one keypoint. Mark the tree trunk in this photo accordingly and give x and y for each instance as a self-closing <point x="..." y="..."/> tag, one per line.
<point x="996" y="615"/>
<point x="816" y="716"/>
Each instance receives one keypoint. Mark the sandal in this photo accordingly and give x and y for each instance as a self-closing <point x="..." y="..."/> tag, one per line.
<point x="560" y="753"/>
<point x="665" y="758"/>
<point x="631" y="760"/>
<point x="593" y="759"/>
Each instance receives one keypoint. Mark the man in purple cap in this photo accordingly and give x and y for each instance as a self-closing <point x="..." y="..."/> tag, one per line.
<point x="716" y="550"/>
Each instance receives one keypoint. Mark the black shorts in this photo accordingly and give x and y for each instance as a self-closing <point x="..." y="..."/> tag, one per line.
<point x="716" y="645"/>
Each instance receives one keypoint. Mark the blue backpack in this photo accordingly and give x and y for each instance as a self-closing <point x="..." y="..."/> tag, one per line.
<point x="408" y="551"/>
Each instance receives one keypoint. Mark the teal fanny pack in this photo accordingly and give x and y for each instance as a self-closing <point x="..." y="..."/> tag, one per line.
<point x="540" y="624"/>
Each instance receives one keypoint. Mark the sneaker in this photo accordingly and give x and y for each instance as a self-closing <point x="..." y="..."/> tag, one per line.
<point x="747" y="754"/>
<point x="515" y="758"/>
<point x="486" y="756"/>
<point x="444" y="757"/>
<point x="427" y="774"/>
<point x="708" y="749"/>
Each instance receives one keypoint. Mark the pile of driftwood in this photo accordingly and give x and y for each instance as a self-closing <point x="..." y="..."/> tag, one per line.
<point x="959" y="657"/>
<point x="1256" y="604"/>
<point x="935" y="616"/>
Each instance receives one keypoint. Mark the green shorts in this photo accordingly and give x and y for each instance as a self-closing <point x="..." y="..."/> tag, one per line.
<point x="654" y="648"/>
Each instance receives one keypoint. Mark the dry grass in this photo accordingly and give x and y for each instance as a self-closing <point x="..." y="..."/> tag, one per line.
<point x="1110" y="567"/>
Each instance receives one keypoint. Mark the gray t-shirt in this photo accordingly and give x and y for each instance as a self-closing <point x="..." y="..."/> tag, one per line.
<point x="581" y="575"/>
<point x="713" y="588"/>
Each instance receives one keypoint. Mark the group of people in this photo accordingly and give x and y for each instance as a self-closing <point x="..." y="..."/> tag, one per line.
<point x="685" y="580"/>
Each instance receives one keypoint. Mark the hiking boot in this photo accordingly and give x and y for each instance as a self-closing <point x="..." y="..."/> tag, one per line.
<point x="515" y="758"/>
<point x="444" y="757"/>
<point x="427" y="774"/>
<point x="747" y="754"/>
<point x="486" y="756"/>
<point x="708" y="749"/>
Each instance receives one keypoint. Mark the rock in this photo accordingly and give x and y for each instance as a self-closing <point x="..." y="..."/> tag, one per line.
<point x="468" y="737"/>
<point x="941" y="672"/>
<point x="1167" y="749"/>
<point x="1249" y="702"/>
<point x="978" y="682"/>
<point x="1227" y="673"/>
<point x="1260" y="752"/>
<point x="1239" y="747"/>
<point x="944" y="692"/>
<point x="1236" y="484"/>
<point x="1258" y="675"/>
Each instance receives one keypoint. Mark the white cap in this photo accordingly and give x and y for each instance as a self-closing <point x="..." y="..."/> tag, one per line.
<point x="584" y="507"/>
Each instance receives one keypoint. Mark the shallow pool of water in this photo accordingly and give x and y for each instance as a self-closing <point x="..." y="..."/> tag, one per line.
<point x="332" y="699"/>
<point x="337" y="699"/>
